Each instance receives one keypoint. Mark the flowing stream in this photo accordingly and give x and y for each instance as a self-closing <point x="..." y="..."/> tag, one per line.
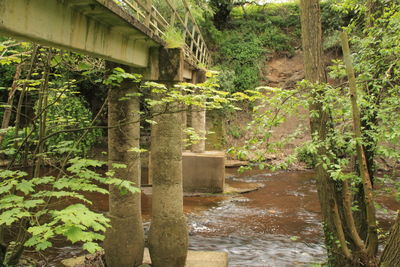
<point x="277" y="225"/>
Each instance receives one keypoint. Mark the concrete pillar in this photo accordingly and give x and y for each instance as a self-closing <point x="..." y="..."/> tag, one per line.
<point x="199" y="117"/>
<point x="124" y="243"/>
<point x="184" y="125"/>
<point x="168" y="235"/>
<point x="152" y="74"/>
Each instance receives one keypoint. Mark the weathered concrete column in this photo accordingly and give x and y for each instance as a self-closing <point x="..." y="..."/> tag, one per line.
<point x="199" y="117"/>
<point x="168" y="235"/>
<point x="124" y="243"/>
<point x="184" y="125"/>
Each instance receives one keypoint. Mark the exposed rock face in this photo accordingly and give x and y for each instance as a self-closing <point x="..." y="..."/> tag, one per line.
<point x="283" y="71"/>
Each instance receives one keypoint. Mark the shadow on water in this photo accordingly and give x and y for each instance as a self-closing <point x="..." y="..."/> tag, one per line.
<point x="276" y="225"/>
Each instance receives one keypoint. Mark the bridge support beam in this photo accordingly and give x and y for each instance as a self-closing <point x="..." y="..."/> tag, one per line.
<point x="168" y="236"/>
<point x="124" y="244"/>
<point x="94" y="27"/>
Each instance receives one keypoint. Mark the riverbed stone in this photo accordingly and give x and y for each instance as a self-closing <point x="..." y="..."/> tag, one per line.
<point x="74" y="262"/>
<point x="194" y="259"/>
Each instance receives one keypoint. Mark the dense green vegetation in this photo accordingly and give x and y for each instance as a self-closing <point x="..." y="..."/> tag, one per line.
<point x="253" y="33"/>
<point x="242" y="46"/>
<point x="48" y="123"/>
<point x="54" y="113"/>
<point x="337" y="151"/>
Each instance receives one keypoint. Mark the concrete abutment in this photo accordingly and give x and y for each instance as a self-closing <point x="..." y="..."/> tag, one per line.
<point x="203" y="171"/>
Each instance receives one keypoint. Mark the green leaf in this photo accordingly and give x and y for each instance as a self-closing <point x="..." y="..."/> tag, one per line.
<point x="151" y="122"/>
<point x="84" y="66"/>
<point x="10" y="216"/>
<point x="7" y="186"/>
<point x="33" y="203"/>
<point x="73" y="234"/>
<point x="118" y="69"/>
<point x="55" y="60"/>
<point x="25" y="186"/>
<point x="38" y="243"/>
<point x="43" y="245"/>
<point x="12" y="174"/>
<point x="43" y="180"/>
<point x="119" y="166"/>
<point x="91" y="247"/>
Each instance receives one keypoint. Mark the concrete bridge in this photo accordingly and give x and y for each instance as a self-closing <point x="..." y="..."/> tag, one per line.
<point x="129" y="34"/>
<point x="122" y="31"/>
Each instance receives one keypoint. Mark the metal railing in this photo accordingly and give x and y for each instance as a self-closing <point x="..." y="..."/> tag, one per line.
<point x="195" y="48"/>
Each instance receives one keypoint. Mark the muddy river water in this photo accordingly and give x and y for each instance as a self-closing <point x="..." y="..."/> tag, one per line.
<point x="276" y="225"/>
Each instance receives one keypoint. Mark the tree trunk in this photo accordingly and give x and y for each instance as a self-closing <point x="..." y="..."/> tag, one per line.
<point x="42" y="113"/>
<point x="124" y="244"/>
<point x="372" y="242"/>
<point x="338" y="255"/>
<point x="7" y="112"/>
<point x="222" y="13"/>
<point x="369" y="121"/>
<point x="22" y="97"/>
<point x="391" y="254"/>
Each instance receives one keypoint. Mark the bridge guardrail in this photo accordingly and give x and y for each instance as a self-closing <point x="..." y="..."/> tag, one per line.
<point x="195" y="48"/>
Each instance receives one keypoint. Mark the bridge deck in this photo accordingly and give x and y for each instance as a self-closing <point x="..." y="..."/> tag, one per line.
<point x="121" y="30"/>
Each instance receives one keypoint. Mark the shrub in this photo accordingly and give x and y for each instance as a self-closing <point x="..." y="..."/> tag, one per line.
<point x="27" y="207"/>
<point x="70" y="112"/>
<point x="306" y="154"/>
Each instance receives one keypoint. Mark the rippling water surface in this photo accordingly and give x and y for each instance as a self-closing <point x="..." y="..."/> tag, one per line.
<point x="276" y="225"/>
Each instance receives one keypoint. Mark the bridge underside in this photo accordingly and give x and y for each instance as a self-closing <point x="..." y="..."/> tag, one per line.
<point x="103" y="29"/>
<point x="96" y="27"/>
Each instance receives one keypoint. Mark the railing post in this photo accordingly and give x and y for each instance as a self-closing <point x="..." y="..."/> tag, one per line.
<point x="195" y="49"/>
<point x="149" y="6"/>
<point x="192" y="39"/>
<point x="186" y="23"/>
<point x="198" y="46"/>
<point x="136" y="9"/>
<point x="201" y="52"/>
<point x="172" y="21"/>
